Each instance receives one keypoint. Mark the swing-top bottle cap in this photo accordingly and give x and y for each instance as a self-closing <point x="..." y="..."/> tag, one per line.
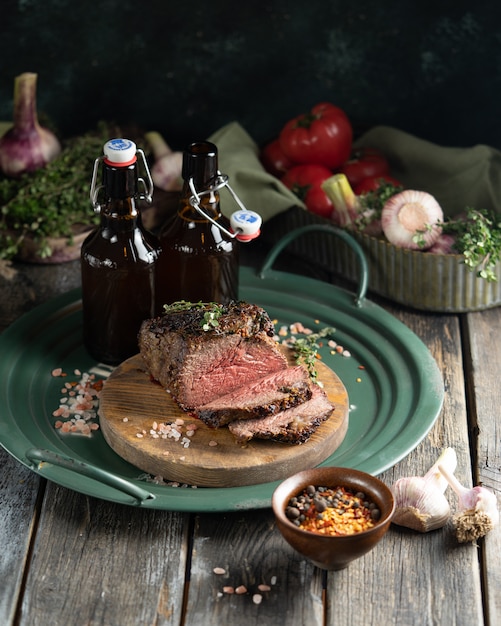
<point x="246" y="225"/>
<point x="120" y="152"/>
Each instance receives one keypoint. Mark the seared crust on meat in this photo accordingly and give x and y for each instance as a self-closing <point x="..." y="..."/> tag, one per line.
<point x="294" y="425"/>
<point x="232" y="373"/>
<point x="198" y="365"/>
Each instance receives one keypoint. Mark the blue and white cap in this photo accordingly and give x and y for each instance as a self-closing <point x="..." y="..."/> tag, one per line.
<point x="246" y="225"/>
<point x="120" y="152"/>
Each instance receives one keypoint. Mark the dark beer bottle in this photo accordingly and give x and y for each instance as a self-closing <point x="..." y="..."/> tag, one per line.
<point x="118" y="259"/>
<point x="199" y="261"/>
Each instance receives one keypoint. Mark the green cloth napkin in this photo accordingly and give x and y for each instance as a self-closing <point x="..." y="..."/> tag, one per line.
<point x="457" y="177"/>
<point x="259" y="191"/>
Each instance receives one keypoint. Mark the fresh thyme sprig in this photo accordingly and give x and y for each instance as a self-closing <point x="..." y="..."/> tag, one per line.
<point x="212" y="311"/>
<point x="372" y="203"/>
<point x="306" y="349"/>
<point x="478" y="239"/>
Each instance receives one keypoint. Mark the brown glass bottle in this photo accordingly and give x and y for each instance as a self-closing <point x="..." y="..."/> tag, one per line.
<point x="198" y="262"/>
<point x="118" y="263"/>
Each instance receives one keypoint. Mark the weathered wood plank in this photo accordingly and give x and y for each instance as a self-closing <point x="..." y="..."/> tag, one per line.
<point x="252" y="552"/>
<point x="18" y="497"/>
<point x="485" y="344"/>
<point x="102" y="564"/>
<point x="409" y="575"/>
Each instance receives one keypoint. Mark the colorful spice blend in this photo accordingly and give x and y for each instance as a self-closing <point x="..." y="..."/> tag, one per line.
<point x="332" y="511"/>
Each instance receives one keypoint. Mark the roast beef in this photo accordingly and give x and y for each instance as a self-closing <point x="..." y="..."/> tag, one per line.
<point x="198" y="365"/>
<point x="271" y="394"/>
<point x="295" y="425"/>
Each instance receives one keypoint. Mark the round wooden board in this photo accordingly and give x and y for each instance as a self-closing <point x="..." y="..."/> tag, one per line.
<point x="131" y="402"/>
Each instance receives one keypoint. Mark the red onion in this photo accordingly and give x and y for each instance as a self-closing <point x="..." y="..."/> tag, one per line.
<point x="26" y="146"/>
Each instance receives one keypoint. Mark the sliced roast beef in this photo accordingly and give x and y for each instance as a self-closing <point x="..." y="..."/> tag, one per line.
<point x="198" y="365"/>
<point x="271" y="394"/>
<point x="295" y="425"/>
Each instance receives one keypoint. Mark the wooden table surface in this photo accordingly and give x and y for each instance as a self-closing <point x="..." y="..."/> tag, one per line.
<point x="71" y="560"/>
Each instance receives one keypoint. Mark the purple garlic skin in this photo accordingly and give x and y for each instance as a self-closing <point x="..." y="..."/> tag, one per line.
<point x="26" y="146"/>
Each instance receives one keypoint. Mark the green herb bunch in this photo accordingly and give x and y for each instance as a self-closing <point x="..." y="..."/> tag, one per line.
<point x="372" y="203"/>
<point x="306" y="349"/>
<point x="478" y="239"/>
<point x="51" y="200"/>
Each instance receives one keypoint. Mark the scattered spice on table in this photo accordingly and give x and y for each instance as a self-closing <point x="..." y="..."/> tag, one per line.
<point x="335" y="511"/>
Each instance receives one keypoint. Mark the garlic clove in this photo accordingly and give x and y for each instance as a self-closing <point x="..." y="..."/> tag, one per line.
<point x="420" y="504"/>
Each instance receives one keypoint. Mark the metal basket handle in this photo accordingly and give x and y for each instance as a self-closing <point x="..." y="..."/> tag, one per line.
<point x="328" y="229"/>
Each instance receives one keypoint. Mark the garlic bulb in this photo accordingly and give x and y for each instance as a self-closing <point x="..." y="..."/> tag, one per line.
<point x="27" y="146"/>
<point x="420" y="500"/>
<point x="478" y="510"/>
<point x="411" y="219"/>
<point x="167" y="168"/>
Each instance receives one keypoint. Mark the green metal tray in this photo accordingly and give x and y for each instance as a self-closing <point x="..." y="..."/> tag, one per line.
<point x="394" y="400"/>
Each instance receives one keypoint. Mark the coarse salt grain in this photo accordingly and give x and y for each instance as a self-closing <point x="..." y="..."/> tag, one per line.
<point x="241" y="589"/>
<point x="257" y="598"/>
<point x="219" y="571"/>
<point x="228" y="590"/>
<point x="264" y="587"/>
<point x="78" y="404"/>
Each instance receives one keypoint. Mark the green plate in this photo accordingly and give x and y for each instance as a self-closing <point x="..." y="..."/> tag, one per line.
<point x="394" y="400"/>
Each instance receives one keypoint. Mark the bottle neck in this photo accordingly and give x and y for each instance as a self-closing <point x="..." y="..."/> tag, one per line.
<point x="120" y="190"/>
<point x="209" y="203"/>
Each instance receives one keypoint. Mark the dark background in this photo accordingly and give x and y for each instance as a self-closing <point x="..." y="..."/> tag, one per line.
<point x="187" y="68"/>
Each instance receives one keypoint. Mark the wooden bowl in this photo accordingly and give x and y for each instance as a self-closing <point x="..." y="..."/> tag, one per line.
<point x="327" y="551"/>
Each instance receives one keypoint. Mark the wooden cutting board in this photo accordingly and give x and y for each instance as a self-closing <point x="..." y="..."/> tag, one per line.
<point x="131" y="406"/>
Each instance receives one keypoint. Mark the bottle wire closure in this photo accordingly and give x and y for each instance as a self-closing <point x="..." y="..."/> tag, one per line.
<point x="245" y="225"/>
<point x="147" y="185"/>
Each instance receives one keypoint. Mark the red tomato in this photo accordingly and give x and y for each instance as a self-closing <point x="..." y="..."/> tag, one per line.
<point x="364" y="163"/>
<point x="274" y="160"/>
<point x="373" y="182"/>
<point x="305" y="181"/>
<point x="322" y="137"/>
